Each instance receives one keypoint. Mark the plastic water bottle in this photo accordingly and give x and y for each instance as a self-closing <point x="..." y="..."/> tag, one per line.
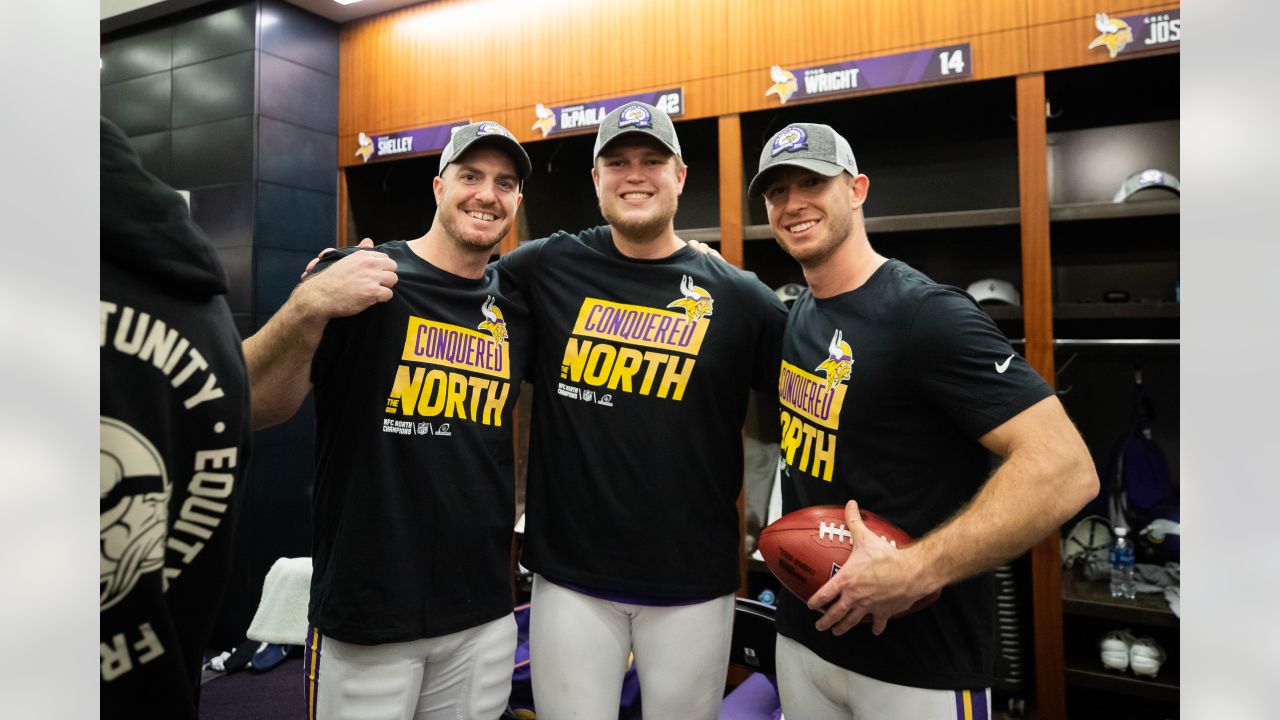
<point x="1122" y="565"/>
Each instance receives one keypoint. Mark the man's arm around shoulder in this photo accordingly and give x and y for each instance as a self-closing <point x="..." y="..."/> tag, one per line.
<point x="279" y="355"/>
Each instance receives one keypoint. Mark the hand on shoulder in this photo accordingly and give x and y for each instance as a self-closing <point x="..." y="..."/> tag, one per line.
<point x="349" y="285"/>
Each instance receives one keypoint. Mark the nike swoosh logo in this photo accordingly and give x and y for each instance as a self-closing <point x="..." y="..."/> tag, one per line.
<point x="1001" y="367"/>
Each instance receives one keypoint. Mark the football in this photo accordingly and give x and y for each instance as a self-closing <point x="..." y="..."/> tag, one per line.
<point x="804" y="549"/>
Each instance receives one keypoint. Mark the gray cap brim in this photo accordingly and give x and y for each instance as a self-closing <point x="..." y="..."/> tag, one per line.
<point x="822" y="167"/>
<point x="523" y="165"/>
<point x="638" y="131"/>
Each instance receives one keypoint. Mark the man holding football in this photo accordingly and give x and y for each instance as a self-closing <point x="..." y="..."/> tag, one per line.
<point x="915" y="388"/>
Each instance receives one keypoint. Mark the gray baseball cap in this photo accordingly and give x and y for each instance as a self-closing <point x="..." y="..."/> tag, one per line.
<point x="637" y="117"/>
<point x="807" y="145"/>
<point x="490" y="133"/>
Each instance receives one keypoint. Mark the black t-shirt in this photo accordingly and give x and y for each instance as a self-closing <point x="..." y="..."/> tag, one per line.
<point x="414" y="494"/>
<point x="174" y="442"/>
<point x="922" y="373"/>
<point x="640" y="391"/>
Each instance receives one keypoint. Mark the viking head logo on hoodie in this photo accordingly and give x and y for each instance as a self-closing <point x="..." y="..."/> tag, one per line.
<point x="696" y="301"/>
<point x="839" y="363"/>
<point x="493" y="321"/>
<point x="134" y="490"/>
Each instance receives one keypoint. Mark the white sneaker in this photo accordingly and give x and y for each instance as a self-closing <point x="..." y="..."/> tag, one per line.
<point x="1115" y="649"/>
<point x="1146" y="657"/>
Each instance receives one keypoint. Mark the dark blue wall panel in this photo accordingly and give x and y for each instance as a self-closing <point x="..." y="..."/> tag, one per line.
<point x="213" y="153"/>
<point x="293" y="155"/>
<point x="277" y="275"/>
<point x="225" y="212"/>
<point x="295" y="34"/>
<point x="238" y="263"/>
<point x="222" y="33"/>
<point x="136" y="56"/>
<point x="298" y="94"/>
<point x="139" y="106"/>
<point x="213" y="90"/>
<point x="295" y="219"/>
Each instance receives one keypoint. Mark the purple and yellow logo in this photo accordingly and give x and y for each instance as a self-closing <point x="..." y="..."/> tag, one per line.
<point x="789" y="139"/>
<point x="437" y="343"/>
<point x="633" y="348"/>
<point x="493" y="321"/>
<point x="810" y="396"/>
<point x="428" y="383"/>
<point x="839" y="363"/>
<point x="696" y="302"/>
<point x="546" y="121"/>
<point x="365" y="151"/>
<point x="1115" y="34"/>
<point x="810" y="416"/>
<point x="492" y="128"/>
<point x="784" y="84"/>
<point x="635" y="116"/>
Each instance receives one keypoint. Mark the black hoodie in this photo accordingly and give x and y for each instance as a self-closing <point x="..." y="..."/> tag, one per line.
<point x="175" y="434"/>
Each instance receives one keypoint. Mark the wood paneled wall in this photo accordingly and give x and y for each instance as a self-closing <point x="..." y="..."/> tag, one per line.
<point x="452" y="60"/>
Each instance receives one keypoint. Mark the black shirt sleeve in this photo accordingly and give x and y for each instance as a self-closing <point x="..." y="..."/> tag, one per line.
<point x="336" y="331"/>
<point x="966" y="365"/>
<point x="773" y="319"/>
<point x="516" y="269"/>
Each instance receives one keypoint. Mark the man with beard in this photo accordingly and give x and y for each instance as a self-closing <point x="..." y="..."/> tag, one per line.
<point x="923" y="389"/>
<point x="646" y="351"/>
<point x="413" y="351"/>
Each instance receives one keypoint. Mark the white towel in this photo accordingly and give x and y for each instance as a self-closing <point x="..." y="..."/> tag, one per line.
<point x="282" y="612"/>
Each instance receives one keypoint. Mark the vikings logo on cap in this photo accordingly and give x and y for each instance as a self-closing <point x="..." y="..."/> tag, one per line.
<point x="635" y="116"/>
<point x="491" y="128"/>
<point x="493" y="321"/>
<point x="839" y="363"/>
<point x="1151" y="177"/>
<point x="1115" y="34"/>
<point x="790" y="139"/>
<point x="696" y="302"/>
<point x="366" y="147"/>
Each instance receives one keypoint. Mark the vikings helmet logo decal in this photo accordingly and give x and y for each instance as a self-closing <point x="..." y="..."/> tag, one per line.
<point x="696" y="301"/>
<point x="784" y="84"/>
<point x="546" y="121"/>
<point x="134" y="490"/>
<point x="635" y="116"/>
<point x="839" y="363"/>
<point x="492" y="128"/>
<point x="790" y="139"/>
<point x="366" y="148"/>
<point x="1116" y="34"/>
<point x="493" y="321"/>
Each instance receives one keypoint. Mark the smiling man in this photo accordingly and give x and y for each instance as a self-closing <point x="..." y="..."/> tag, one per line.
<point x="416" y="356"/>
<point x="646" y="351"/>
<point x="919" y="388"/>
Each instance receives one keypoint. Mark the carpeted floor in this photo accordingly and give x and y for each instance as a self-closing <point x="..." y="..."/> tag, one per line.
<point x="247" y="695"/>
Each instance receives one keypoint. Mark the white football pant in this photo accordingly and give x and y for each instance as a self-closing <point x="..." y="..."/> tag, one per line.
<point x="579" y="647"/>
<point x="814" y="689"/>
<point x="465" y="674"/>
